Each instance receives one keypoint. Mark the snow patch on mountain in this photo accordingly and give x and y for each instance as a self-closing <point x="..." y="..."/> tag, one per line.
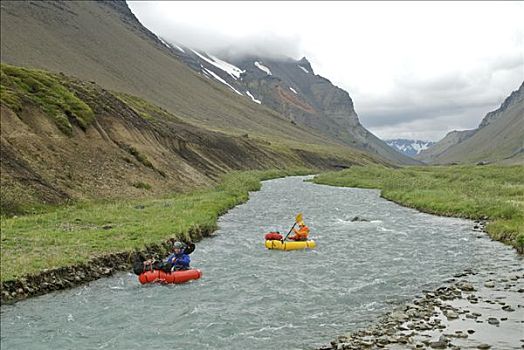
<point x="254" y="99"/>
<point x="262" y="68"/>
<point x="163" y="42"/>
<point x="230" y="69"/>
<point x="213" y="74"/>
<point x="179" y="48"/>
<point x="304" y="69"/>
<point x="170" y="45"/>
<point x="290" y="88"/>
<point x="409" y="147"/>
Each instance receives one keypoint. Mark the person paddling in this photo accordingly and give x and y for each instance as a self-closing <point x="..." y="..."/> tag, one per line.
<point x="179" y="260"/>
<point x="302" y="233"/>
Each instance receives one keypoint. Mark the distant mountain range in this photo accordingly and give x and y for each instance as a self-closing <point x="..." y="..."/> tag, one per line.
<point x="409" y="147"/>
<point x="499" y="137"/>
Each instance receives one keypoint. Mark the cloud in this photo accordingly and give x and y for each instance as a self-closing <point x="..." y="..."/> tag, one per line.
<point x="263" y="44"/>
<point x="408" y="123"/>
<point x="267" y="45"/>
<point x="436" y="105"/>
<point x="196" y="35"/>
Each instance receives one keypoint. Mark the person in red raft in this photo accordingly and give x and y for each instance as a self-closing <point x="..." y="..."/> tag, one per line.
<point x="301" y="234"/>
<point x="178" y="260"/>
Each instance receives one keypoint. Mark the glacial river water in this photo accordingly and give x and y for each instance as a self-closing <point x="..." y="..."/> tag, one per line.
<point x="253" y="298"/>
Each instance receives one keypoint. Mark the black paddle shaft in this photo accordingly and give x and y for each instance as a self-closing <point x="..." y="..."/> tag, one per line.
<point x="292" y="227"/>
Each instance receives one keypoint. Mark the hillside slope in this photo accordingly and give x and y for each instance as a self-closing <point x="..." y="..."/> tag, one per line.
<point x="291" y="88"/>
<point x="451" y="139"/>
<point x="499" y="137"/>
<point x="105" y="43"/>
<point x="64" y="139"/>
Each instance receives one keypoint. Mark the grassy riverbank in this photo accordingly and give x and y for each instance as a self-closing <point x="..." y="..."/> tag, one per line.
<point x="74" y="234"/>
<point x="475" y="192"/>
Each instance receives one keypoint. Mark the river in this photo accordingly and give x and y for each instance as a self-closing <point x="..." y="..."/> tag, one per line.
<point x="253" y="298"/>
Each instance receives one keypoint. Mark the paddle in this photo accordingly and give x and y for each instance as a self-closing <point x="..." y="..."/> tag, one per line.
<point x="190" y="248"/>
<point x="298" y="218"/>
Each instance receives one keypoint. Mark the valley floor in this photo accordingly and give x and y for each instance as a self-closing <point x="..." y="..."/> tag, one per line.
<point x="475" y="309"/>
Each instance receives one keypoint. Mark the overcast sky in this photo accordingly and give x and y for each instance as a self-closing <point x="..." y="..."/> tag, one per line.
<point x="413" y="69"/>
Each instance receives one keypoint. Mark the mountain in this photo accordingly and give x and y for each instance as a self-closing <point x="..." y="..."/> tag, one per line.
<point x="103" y="41"/>
<point x="112" y="112"/>
<point x="291" y="88"/>
<point x="409" y="147"/>
<point x="499" y="137"/>
<point x="451" y="139"/>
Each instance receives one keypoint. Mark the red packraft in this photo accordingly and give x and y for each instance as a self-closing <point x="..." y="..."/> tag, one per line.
<point x="273" y="236"/>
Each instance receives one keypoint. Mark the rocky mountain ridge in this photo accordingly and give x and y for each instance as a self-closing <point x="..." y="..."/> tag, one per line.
<point x="291" y="88"/>
<point x="516" y="97"/>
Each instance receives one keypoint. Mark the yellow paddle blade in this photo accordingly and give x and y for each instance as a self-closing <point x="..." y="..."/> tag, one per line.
<point x="299" y="217"/>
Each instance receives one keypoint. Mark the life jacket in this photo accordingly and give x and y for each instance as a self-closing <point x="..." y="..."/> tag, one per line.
<point x="179" y="261"/>
<point x="301" y="234"/>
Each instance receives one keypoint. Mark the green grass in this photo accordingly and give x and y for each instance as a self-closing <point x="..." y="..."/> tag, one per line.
<point x="474" y="192"/>
<point x="138" y="156"/>
<point x="72" y="235"/>
<point x="146" y="110"/>
<point x="47" y="91"/>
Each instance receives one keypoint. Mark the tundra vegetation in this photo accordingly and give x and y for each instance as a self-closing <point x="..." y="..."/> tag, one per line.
<point x="494" y="193"/>
<point x="20" y="86"/>
<point x="73" y="234"/>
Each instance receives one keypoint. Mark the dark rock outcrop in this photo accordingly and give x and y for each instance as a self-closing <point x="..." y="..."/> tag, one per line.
<point x="291" y="88"/>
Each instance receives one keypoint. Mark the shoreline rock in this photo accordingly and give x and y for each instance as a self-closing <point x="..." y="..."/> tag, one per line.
<point x="431" y="321"/>
<point x="449" y="317"/>
<point x="452" y="316"/>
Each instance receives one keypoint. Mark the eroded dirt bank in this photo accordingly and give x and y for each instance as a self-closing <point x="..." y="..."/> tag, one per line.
<point x="72" y="276"/>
